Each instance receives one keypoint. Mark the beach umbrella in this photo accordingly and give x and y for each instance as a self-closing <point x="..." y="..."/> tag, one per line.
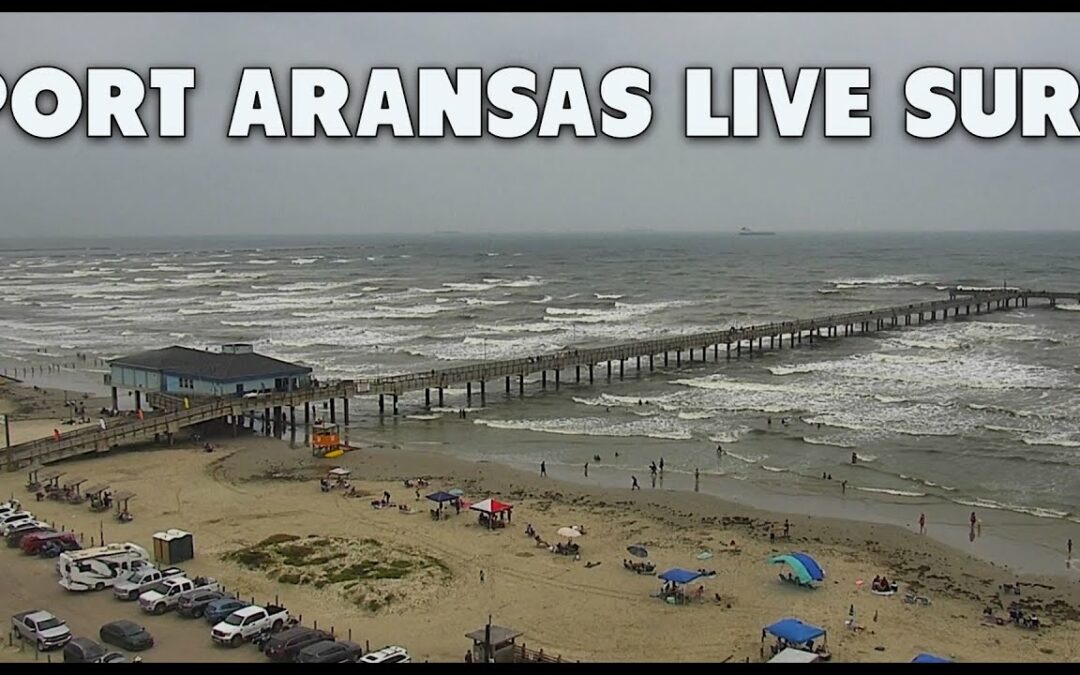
<point x="796" y="565"/>
<point x="638" y="551"/>
<point x="568" y="532"/>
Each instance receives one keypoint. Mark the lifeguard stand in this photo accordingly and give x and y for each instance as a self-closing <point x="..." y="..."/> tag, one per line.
<point x="326" y="440"/>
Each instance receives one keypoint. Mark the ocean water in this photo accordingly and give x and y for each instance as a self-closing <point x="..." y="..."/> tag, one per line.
<point x="983" y="412"/>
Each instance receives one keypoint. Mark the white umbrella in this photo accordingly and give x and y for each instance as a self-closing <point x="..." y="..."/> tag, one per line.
<point x="568" y="532"/>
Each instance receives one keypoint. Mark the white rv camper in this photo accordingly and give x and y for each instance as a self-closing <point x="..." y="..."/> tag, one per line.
<point x="101" y="567"/>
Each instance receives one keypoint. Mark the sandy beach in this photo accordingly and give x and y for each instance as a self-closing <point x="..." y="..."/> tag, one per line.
<point x="252" y="488"/>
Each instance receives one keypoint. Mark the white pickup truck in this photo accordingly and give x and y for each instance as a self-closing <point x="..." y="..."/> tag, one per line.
<point x="166" y="593"/>
<point x="246" y="623"/>
<point x="143" y="580"/>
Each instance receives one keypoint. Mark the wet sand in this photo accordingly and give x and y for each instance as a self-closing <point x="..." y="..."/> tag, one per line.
<point x="252" y="488"/>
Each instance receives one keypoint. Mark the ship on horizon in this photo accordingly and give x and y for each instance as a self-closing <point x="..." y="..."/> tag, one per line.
<point x="748" y="231"/>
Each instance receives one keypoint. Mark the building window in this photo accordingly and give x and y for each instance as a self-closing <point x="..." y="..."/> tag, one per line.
<point x="187" y="383"/>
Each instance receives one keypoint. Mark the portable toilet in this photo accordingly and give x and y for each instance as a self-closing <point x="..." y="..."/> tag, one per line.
<point x="173" y="546"/>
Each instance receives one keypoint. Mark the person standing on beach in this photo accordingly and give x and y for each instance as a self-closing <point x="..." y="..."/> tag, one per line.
<point x="697" y="482"/>
<point x="481" y="576"/>
<point x="843" y="487"/>
<point x="787" y="528"/>
<point x="543" y="468"/>
<point x="1068" y="558"/>
<point x="661" y="465"/>
<point x="922" y="523"/>
<point x="586" y="469"/>
<point x="634" y="485"/>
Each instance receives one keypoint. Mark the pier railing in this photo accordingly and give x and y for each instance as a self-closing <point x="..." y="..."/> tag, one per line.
<point x="733" y="336"/>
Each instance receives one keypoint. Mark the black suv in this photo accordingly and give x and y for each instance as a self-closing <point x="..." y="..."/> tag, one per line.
<point x="287" y="644"/>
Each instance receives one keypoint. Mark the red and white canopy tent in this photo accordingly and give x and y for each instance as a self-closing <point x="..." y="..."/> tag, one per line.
<point x="492" y="508"/>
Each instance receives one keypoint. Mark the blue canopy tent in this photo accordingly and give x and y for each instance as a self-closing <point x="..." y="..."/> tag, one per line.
<point x="795" y="634"/>
<point x="929" y="658"/>
<point x="677" y="575"/>
<point x="794" y="631"/>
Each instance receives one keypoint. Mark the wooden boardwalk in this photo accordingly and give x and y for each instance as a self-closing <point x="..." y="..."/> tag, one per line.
<point x="172" y="414"/>
<point x="732" y="342"/>
<point x="170" y="418"/>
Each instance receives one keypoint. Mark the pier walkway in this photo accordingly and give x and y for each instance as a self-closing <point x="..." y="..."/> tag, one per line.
<point x="172" y="414"/>
<point x="734" y="341"/>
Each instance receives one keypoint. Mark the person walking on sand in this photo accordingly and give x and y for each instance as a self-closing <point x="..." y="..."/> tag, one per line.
<point x="661" y="465"/>
<point x="633" y="484"/>
<point x="481" y="576"/>
<point x="922" y="523"/>
<point x="543" y="468"/>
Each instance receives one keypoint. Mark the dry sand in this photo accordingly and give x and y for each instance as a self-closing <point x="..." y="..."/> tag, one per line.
<point x="252" y="488"/>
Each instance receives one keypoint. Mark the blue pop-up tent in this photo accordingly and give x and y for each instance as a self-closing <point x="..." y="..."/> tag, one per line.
<point x="929" y="658"/>
<point x="794" y="631"/>
<point x="677" y="575"/>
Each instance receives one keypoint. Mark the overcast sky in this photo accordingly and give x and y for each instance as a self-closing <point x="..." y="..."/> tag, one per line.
<point x="207" y="183"/>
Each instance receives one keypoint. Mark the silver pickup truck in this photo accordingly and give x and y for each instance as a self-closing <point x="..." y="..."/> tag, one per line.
<point x="42" y="628"/>
<point x="143" y="580"/>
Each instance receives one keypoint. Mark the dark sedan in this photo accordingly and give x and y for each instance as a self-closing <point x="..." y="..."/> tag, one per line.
<point x="126" y="635"/>
<point x="330" y="651"/>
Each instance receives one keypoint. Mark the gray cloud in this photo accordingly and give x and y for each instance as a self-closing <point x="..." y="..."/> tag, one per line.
<point x="207" y="183"/>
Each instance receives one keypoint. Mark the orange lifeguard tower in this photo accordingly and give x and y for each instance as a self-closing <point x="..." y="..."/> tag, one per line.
<point x="326" y="440"/>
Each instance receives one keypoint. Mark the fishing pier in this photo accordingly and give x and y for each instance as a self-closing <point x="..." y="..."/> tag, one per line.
<point x="173" y="412"/>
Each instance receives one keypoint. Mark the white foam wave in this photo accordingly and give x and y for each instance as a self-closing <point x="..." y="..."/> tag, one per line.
<point x="594" y="426"/>
<point x="980" y="503"/>
<point x="890" y="491"/>
<point x="608" y="296"/>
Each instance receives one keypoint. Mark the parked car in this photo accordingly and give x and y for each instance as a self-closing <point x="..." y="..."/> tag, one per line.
<point x="42" y="628"/>
<point x="392" y="654"/>
<point x="217" y="610"/>
<point x="22" y="528"/>
<point x="193" y="603"/>
<point x="10" y="506"/>
<point x="330" y="651"/>
<point x="126" y="635"/>
<point x="52" y="549"/>
<point x="164" y="595"/>
<point x="287" y="644"/>
<point x="83" y="650"/>
<point x="246" y="623"/>
<point x="113" y="657"/>
<point x="143" y="580"/>
<point x="9" y="520"/>
<point x="32" y="542"/>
